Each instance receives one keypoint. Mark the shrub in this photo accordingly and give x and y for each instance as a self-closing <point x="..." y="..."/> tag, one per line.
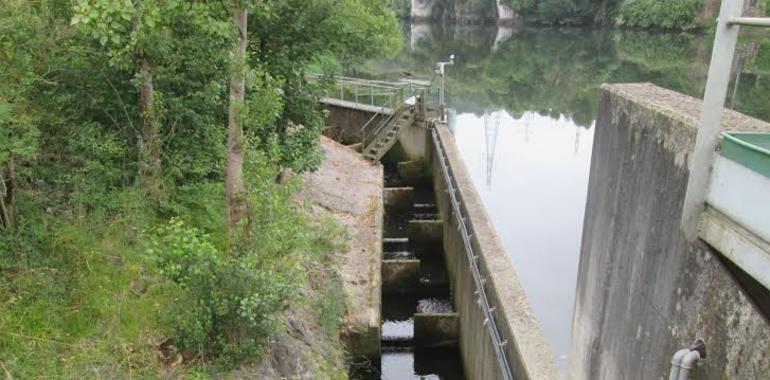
<point x="669" y="14"/>
<point x="233" y="301"/>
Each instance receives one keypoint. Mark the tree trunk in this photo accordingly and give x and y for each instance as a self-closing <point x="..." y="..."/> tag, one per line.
<point x="149" y="167"/>
<point x="4" y="217"/>
<point x="237" y="203"/>
<point x="7" y="202"/>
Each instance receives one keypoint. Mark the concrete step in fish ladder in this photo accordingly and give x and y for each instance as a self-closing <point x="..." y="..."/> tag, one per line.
<point x="436" y="329"/>
<point x="400" y="276"/>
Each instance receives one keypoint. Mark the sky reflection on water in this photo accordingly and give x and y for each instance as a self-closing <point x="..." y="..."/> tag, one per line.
<point x="533" y="180"/>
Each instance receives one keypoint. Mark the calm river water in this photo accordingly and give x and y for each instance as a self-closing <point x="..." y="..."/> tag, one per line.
<point x="524" y="103"/>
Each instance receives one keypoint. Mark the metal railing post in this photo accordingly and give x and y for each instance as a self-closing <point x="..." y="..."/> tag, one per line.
<point x="423" y="106"/>
<point x="711" y="115"/>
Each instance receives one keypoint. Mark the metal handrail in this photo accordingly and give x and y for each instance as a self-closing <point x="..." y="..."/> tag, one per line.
<point x="373" y="89"/>
<point x="749" y="21"/>
<point x="383" y="123"/>
<point x="381" y="111"/>
<point x="489" y="319"/>
<point x="363" y="129"/>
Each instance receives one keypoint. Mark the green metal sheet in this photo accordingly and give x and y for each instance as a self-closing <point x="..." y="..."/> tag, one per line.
<point x="751" y="150"/>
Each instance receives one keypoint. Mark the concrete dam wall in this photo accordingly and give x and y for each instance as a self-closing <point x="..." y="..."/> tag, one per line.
<point x="345" y="119"/>
<point x="644" y="292"/>
<point x="525" y="349"/>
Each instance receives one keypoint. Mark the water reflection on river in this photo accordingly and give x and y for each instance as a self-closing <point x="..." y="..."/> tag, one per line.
<point x="526" y="100"/>
<point x="532" y="175"/>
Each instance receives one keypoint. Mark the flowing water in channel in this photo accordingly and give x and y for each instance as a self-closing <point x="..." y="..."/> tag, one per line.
<point x="401" y="357"/>
<point x="524" y="104"/>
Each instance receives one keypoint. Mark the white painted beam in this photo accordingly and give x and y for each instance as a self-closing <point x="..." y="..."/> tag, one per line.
<point x="742" y="247"/>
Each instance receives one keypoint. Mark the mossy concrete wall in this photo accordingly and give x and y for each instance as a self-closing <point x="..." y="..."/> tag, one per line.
<point x="436" y="329"/>
<point x="644" y="292"/>
<point x="426" y="232"/>
<point x="398" y="196"/>
<point x="411" y="171"/>
<point x="345" y="119"/>
<point x="526" y="350"/>
<point x="400" y="276"/>
<point x="413" y="141"/>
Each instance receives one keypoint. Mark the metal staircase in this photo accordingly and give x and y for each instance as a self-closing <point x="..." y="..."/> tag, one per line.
<point x="385" y="134"/>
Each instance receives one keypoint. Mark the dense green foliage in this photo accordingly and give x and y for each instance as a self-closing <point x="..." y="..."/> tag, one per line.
<point x="680" y="14"/>
<point x="100" y="279"/>
<point x="653" y="14"/>
<point x="567" y="12"/>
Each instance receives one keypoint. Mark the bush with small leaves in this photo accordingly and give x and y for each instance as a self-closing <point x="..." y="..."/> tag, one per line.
<point x="233" y="303"/>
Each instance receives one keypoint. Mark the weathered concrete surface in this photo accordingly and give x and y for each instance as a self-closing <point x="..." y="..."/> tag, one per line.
<point x="643" y="291"/>
<point x="400" y="276"/>
<point x="350" y="188"/>
<point x="527" y="352"/>
<point x="398" y="196"/>
<point x="356" y="147"/>
<point x="411" y="171"/>
<point x="414" y="141"/>
<point x="426" y="232"/>
<point x="345" y="119"/>
<point x="436" y="329"/>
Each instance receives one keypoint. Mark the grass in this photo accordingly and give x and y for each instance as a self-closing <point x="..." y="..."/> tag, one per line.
<point x="79" y="298"/>
<point x="86" y="306"/>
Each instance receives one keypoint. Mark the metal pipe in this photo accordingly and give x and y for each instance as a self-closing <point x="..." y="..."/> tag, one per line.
<point x="709" y="127"/>
<point x="749" y="21"/>
<point x="442" y="72"/>
<point x="688" y="362"/>
<point x="676" y="362"/>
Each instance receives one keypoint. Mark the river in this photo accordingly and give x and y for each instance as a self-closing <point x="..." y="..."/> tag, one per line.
<point x="524" y="104"/>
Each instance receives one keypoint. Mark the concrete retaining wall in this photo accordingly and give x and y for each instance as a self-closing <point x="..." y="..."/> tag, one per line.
<point x="436" y="329"/>
<point x="526" y="350"/>
<point x="350" y="189"/>
<point x="414" y="141"/>
<point x="643" y="291"/>
<point x="345" y="119"/>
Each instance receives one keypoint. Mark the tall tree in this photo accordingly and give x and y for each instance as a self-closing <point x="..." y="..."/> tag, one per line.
<point x="27" y="40"/>
<point x="237" y="200"/>
<point x="133" y="33"/>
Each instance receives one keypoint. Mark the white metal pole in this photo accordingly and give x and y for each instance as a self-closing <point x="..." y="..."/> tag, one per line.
<point x="443" y="83"/>
<point x="711" y="115"/>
